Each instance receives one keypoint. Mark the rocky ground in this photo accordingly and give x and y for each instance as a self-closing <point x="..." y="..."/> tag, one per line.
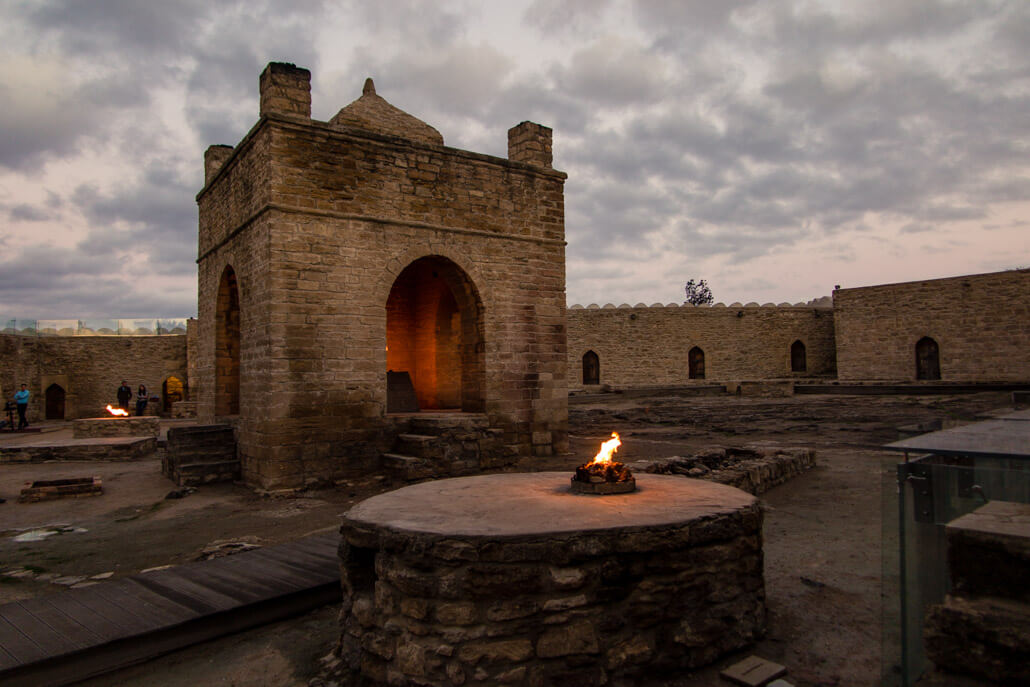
<point x="824" y="530"/>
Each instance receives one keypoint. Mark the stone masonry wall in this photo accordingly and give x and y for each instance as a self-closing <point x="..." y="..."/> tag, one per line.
<point x="644" y="346"/>
<point x="89" y="368"/>
<point x="981" y="324"/>
<point x="318" y="221"/>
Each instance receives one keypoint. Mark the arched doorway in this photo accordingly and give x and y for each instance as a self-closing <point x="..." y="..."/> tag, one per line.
<point x="591" y="368"/>
<point x="172" y="391"/>
<point x="696" y="363"/>
<point x="434" y="332"/>
<point x="55" y="396"/>
<point x="798" y="359"/>
<point x="227" y="345"/>
<point x="928" y="359"/>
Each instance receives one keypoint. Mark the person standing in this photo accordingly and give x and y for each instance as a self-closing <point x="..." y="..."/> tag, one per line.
<point x="124" y="394"/>
<point x="141" y="400"/>
<point x="21" y="398"/>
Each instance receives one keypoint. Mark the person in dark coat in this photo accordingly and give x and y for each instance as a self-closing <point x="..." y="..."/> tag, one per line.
<point x="124" y="395"/>
<point x="141" y="400"/>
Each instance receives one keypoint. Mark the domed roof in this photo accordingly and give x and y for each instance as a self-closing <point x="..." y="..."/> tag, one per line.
<point x="372" y="113"/>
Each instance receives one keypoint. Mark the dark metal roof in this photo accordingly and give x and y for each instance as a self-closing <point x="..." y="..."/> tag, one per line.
<point x="1005" y="437"/>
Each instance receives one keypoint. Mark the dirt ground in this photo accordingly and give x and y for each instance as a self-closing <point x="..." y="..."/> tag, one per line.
<point x="824" y="530"/>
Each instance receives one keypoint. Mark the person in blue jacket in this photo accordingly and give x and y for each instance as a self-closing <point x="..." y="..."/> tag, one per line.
<point x="21" y="398"/>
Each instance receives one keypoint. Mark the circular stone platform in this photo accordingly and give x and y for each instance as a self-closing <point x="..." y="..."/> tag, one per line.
<point x="513" y="579"/>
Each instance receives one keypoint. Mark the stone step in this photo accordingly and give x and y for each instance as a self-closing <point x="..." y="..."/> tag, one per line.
<point x="406" y="467"/>
<point x="432" y="423"/>
<point x="423" y="446"/>
<point x="206" y="473"/>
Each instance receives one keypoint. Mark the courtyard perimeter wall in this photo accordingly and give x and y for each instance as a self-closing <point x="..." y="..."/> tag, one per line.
<point x="981" y="323"/>
<point x="644" y="346"/>
<point x="89" y="368"/>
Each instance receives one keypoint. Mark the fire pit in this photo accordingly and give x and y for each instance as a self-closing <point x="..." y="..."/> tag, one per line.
<point x="116" y="424"/>
<point x="603" y="475"/>
<point x="514" y="579"/>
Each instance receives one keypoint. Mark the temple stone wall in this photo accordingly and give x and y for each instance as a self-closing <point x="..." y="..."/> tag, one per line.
<point x="89" y="368"/>
<point x="644" y="346"/>
<point x="981" y="324"/>
<point x="318" y="220"/>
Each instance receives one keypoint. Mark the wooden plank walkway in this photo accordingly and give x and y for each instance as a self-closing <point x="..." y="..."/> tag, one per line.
<point x="79" y="633"/>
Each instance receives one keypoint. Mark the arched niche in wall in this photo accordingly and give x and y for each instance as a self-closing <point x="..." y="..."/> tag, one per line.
<point x="54" y="399"/>
<point x="172" y="391"/>
<point x="227" y="345"/>
<point x="591" y="368"/>
<point x="434" y="332"/>
<point x="798" y="357"/>
<point x="928" y="359"/>
<point x="696" y="363"/>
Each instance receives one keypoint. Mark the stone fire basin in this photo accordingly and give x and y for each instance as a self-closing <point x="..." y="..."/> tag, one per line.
<point x="512" y="579"/>
<point x="93" y="427"/>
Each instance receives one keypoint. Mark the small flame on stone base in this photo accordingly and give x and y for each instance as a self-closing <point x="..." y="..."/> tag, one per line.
<point x="603" y="475"/>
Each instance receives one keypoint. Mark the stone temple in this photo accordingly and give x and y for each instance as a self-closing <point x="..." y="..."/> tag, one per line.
<point x="333" y="252"/>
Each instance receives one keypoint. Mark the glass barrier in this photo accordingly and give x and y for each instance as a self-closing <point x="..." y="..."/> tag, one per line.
<point x="931" y="492"/>
<point x="95" y="327"/>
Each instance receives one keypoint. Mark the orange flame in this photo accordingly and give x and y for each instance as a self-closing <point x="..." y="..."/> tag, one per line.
<point x="604" y="456"/>
<point x="117" y="412"/>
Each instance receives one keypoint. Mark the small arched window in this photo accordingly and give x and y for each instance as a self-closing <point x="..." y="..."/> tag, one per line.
<point x="591" y="368"/>
<point x="798" y="361"/>
<point x="928" y="359"/>
<point x="696" y="363"/>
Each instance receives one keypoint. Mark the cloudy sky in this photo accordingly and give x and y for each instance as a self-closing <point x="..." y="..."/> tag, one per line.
<point x="773" y="147"/>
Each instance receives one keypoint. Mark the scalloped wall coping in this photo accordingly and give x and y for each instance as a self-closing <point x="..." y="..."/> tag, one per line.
<point x="811" y="305"/>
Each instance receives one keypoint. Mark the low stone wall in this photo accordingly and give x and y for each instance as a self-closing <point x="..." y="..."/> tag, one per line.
<point x="751" y="469"/>
<point x="184" y="409"/>
<point x="97" y="427"/>
<point x="115" y="450"/>
<point x="770" y="388"/>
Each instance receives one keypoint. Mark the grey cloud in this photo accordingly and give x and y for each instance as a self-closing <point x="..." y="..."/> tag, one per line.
<point x="680" y="15"/>
<point x="459" y="80"/>
<point x="51" y="281"/>
<point x="614" y="72"/>
<point x="916" y="228"/>
<point x="89" y="28"/>
<point x="30" y="133"/>
<point x="155" y="214"/>
<point x="29" y="213"/>
<point x="553" y="17"/>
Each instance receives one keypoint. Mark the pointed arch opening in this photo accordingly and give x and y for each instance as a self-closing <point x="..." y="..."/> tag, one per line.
<point x="434" y="333"/>
<point x="227" y="345"/>
<point x="591" y="368"/>
<point x="798" y="357"/>
<point x="55" y="397"/>
<point x="172" y="391"/>
<point x="928" y="359"/>
<point x="696" y="363"/>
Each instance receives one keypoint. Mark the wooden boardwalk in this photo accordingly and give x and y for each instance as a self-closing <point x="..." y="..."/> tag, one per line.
<point x="78" y="633"/>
